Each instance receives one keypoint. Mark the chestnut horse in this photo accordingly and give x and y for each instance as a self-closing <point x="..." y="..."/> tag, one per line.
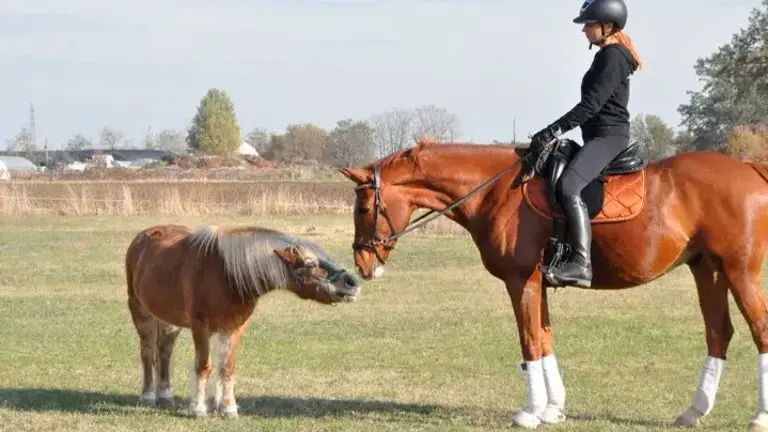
<point x="702" y="209"/>
<point x="210" y="281"/>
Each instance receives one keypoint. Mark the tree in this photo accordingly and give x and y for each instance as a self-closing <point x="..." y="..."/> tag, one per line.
<point x="749" y="142"/>
<point x="351" y="143"/>
<point x="436" y="122"/>
<point x="21" y="142"/>
<point x="392" y="130"/>
<point x="300" y="141"/>
<point x="171" y="140"/>
<point x="260" y="140"/>
<point x="79" y="142"/>
<point x="655" y="137"/>
<point x="735" y="87"/>
<point x="110" y="138"/>
<point x="215" y="129"/>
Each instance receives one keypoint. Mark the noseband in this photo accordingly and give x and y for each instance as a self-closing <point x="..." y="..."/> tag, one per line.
<point x="380" y="208"/>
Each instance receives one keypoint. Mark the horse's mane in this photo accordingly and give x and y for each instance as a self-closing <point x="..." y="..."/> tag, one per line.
<point x="248" y="255"/>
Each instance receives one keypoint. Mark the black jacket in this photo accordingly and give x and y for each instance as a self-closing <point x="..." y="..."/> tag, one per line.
<point x="602" y="110"/>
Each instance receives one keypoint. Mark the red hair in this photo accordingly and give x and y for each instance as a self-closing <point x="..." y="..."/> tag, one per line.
<point x="623" y="38"/>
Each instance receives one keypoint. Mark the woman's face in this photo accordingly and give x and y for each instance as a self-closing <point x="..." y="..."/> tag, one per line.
<point x="594" y="32"/>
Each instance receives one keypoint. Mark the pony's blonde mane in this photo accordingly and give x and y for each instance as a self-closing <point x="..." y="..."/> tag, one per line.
<point x="249" y="258"/>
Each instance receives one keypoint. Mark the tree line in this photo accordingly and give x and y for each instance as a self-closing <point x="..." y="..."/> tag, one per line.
<point x="728" y="114"/>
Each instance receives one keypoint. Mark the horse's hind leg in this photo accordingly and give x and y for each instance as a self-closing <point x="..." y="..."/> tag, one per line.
<point x="146" y="327"/>
<point x="200" y="371"/>
<point x="166" y="339"/>
<point x="712" y="288"/>
<point x="743" y="273"/>
<point x="224" y="401"/>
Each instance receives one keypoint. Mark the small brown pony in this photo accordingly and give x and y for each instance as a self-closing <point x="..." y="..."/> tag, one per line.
<point x="209" y="281"/>
<point x="701" y="209"/>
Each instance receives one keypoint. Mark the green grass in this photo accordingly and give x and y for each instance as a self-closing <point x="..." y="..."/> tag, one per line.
<point x="431" y="346"/>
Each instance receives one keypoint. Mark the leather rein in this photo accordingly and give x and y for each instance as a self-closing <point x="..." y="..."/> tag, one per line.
<point x="380" y="208"/>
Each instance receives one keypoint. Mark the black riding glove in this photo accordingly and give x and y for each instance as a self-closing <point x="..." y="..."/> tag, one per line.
<point x="545" y="136"/>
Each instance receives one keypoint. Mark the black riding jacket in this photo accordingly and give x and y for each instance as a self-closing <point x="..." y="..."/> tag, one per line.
<point x="602" y="110"/>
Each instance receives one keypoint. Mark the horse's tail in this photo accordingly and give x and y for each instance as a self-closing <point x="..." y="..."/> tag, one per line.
<point x="131" y="258"/>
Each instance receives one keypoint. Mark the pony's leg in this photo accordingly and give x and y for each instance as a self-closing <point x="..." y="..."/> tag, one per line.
<point x="552" y="379"/>
<point x="744" y="277"/>
<point x="166" y="339"/>
<point x="200" y="371"/>
<point x="146" y="327"/>
<point x="225" y="387"/>
<point x="712" y="288"/>
<point x="525" y="294"/>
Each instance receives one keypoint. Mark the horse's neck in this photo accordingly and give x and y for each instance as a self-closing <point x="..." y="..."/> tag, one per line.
<point x="448" y="175"/>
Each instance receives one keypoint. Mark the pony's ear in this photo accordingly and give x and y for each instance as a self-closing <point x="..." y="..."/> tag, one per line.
<point x="286" y="256"/>
<point x="357" y="175"/>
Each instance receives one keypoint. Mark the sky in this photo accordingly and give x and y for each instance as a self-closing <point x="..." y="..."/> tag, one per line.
<point x="85" y="64"/>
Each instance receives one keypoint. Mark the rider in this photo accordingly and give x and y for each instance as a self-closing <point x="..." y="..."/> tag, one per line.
<point x="603" y="118"/>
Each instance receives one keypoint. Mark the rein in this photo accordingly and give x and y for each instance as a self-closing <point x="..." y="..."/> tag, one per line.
<point x="380" y="207"/>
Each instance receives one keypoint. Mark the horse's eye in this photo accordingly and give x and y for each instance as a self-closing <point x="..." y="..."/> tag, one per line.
<point x="363" y="209"/>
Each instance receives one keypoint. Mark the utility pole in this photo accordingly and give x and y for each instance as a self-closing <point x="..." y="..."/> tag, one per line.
<point x="32" y="128"/>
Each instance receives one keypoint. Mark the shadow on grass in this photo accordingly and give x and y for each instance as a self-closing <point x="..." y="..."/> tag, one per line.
<point x="620" y="421"/>
<point x="83" y="401"/>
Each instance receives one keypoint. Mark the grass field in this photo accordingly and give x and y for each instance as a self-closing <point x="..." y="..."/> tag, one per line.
<point x="431" y="346"/>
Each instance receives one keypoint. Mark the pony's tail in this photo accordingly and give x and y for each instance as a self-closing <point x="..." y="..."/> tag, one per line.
<point x="131" y="256"/>
<point x="623" y="38"/>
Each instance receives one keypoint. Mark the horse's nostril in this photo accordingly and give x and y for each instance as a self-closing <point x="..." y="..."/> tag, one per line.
<point x="350" y="281"/>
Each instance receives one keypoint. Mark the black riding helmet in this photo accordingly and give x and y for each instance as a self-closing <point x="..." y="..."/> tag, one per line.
<point x="602" y="11"/>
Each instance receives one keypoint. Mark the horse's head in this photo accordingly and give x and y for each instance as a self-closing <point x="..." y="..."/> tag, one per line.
<point x="380" y="214"/>
<point x="317" y="278"/>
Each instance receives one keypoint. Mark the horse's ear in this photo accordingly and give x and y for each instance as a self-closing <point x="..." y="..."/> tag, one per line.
<point x="357" y="175"/>
<point x="286" y="256"/>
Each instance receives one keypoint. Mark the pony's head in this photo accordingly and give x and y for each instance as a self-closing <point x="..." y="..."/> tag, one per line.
<point x="316" y="278"/>
<point x="381" y="213"/>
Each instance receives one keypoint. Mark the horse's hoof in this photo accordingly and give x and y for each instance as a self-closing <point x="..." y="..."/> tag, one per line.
<point x="552" y="415"/>
<point x="196" y="411"/>
<point x="147" y="399"/>
<point x="690" y="418"/>
<point x="759" y="423"/>
<point x="526" y="420"/>
<point x="230" y="414"/>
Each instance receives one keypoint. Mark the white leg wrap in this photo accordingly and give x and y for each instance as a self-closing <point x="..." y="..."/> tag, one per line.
<point x="555" y="391"/>
<point x="529" y="417"/>
<point x="763" y="383"/>
<point x="708" y="385"/>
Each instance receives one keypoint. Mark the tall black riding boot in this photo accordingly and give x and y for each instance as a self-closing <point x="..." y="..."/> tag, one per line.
<point x="578" y="269"/>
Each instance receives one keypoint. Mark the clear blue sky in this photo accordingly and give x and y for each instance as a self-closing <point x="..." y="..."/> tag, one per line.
<point x="130" y="64"/>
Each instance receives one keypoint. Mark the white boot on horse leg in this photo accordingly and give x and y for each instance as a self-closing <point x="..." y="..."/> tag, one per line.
<point x="760" y="422"/>
<point x="704" y="400"/>
<point x="553" y="413"/>
<point x="226" y="405"/>
<point x="530" y="416"/>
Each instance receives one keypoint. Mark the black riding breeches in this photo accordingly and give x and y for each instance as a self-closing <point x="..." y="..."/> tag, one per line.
<point x="588" y="162"/>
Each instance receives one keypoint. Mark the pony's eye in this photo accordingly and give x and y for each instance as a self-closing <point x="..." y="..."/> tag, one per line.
<point x="363" y="209"/>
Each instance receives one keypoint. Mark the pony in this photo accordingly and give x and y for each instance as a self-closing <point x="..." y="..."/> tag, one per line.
<point x="705" y="210"/>
<point x="209" y="281"/>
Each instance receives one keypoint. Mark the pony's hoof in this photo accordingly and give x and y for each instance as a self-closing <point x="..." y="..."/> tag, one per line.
<point x="196" y="411"/>
<point x="552" y="415"/>
<point x="690" y="418"/>
<point x="147" y="399"/>
<point x="526" y="420"/>
<point x="759" y="423"/>
<point x="230" y="413"/>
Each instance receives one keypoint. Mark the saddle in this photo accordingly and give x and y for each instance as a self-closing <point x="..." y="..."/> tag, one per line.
<point x="617" y="194"/>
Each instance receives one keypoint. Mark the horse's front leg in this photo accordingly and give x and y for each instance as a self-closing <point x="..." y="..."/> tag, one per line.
<point x="554" y="382"/>
<point x="224" y="402"/>
<point x="525" y="291"/>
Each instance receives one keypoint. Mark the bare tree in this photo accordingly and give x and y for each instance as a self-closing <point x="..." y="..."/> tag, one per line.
<point x="110" y="138"/>
<point x="436" y="122"/>
<point x="392" y="130"/>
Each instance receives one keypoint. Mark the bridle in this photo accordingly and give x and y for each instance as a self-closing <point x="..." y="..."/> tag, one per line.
<point x="380" y="208"/>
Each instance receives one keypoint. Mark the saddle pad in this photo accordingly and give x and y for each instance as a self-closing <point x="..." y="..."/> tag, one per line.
<point x="624" y="197"/>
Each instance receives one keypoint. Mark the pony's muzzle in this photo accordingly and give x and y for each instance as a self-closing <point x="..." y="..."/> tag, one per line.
<point x="350" y="282"/>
